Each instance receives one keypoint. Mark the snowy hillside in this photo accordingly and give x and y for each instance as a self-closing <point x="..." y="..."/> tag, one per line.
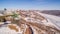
<point x="33" y="22"/>
<point x="53" y="19"/>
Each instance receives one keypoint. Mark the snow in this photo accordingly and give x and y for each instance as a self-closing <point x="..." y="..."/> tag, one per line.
<point x="52" y="20"/>
<point x="6" y="30"/>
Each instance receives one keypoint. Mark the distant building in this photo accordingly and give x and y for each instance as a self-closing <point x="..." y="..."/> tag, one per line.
<point x="5" y="9"/>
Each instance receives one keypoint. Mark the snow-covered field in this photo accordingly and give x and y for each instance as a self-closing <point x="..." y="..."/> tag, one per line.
<point x="55" y="20"/>
<point x="6" y="30"/>
<point x="52" y="20"/>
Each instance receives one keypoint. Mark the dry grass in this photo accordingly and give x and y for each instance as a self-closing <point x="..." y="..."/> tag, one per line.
<point x="39" y="27"/>
<point x="13" y="27"/>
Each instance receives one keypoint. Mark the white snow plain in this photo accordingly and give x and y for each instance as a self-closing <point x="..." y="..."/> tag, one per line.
<point x="52" y="20"/>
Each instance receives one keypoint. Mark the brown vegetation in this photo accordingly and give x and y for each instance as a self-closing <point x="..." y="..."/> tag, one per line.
<point x="41" y="28"/>
<point x="13" y="27"/>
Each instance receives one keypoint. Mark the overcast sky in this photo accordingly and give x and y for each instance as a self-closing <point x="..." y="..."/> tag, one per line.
<point x="31" y="4"/>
